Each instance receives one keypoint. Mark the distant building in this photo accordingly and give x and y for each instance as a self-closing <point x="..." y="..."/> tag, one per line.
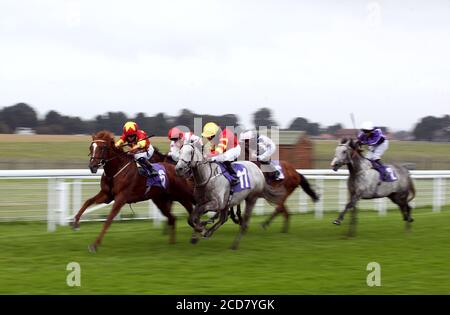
<point x="296" y="148"/>
<point x="346" y="133"/>
<point x="24" y="131"/>
<point x="324" y="136"/>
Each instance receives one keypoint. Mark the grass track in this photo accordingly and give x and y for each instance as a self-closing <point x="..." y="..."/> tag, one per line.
<point x="313" y="258"/>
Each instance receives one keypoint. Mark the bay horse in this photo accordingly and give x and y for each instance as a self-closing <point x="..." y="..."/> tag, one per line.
<point x="159" y="157"/>
<point x="122" y="183"/>
<point x="292" y="179"/>
<point x="364" y="183"/>
<point x="212" y="190"/>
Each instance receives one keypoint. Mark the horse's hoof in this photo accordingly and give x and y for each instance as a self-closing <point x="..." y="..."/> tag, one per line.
<point x="337" y="222"/>
<point x="194" y="240"/>
<point x="75" y="226"/>
<point x="264" y="225"/>
<point x="410" y="220"/>
<point x="234" y="247"/>
<point x="92" y="248"/>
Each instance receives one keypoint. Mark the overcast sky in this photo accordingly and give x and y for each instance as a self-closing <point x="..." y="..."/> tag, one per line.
<point x="386" y="61"/>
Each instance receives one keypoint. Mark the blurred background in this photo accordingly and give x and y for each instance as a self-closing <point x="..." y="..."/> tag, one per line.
<point x="71" y="68"/>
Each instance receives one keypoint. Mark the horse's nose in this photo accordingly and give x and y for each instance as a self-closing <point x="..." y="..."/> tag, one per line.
<point x="93" y="169"/>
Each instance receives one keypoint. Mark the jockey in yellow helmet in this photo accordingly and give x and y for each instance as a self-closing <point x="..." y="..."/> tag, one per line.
<point x="224" y="146"/>
<point x="139" y="144"/>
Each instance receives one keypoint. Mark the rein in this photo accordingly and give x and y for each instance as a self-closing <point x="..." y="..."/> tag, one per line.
<point x="103" y="161"/>
<point x="189" y="164"/>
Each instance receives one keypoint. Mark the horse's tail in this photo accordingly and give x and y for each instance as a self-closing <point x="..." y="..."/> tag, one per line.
<point x="272" y="194"/>
<point x="307" y="188"/>
<point x="412" y="189"/>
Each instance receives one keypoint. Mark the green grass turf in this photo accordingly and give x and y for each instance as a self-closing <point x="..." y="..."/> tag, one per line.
<point x="53" y="150"/>
<point x="313" y="258"/>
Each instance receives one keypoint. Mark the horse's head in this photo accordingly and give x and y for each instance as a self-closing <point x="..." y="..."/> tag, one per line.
<point x="190" y="155"/>
<point x="344" y="153"/>
<point x="100" y="149"/>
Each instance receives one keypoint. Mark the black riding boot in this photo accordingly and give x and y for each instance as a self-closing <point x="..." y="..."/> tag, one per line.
<point x="231" y="170"/>
<point x="273" y="175"/>
<point x="147" y="165"/>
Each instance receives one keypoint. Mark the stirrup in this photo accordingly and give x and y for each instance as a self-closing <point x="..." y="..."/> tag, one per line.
<point x="235" y="181"/>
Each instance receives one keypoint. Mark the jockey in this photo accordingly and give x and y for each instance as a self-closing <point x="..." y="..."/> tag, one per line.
<point x="377" y="144"/>
<point x="139" y="144"/>
<point x="224" y="147"/>
<point x="265" y="148"/>
<point x="177" y="139"/>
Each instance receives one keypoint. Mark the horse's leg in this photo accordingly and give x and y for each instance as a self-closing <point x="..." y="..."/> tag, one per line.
<point x="408" y="209"/>
<point x="194" y="219"/>
<point x="199" y="211"/>
<point x="266" y="223"/>
<point x="249" y="205"/>
<point x="101" y="197"/>
<point x="238" y="213"/>
<point x="285" y="212"/>
<point x="187" y="204"/>
<point x="350" y="205"/>
<point x="353" y="221"/>
<point x="233" y="216"/>
<point x="165" y="206"/>
<point x="118" y="204"/>
<point x="211" y="220"/>
<point x="402" y="202"/>
<point x="223" y="217"/>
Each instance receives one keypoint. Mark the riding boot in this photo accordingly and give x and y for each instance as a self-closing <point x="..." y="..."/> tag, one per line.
<point x="380" y="168"/>
<point x="146" y="163"/>
<point x="232" y="172"/>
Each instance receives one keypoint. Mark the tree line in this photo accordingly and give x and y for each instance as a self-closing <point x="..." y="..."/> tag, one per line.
<point x="23" y="115"/>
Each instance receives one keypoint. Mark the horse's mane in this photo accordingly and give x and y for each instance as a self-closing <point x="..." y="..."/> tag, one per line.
<point x="104" y="135"/>
<point x="352" y="144"/>
<point x="108" y="136"/>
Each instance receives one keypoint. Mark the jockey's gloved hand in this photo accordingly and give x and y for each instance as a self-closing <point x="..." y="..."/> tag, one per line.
<point x="212" y="159"/>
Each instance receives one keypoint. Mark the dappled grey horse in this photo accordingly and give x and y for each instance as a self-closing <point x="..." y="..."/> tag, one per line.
<point x="212" y="190"/>
<point x="364" y="182"/>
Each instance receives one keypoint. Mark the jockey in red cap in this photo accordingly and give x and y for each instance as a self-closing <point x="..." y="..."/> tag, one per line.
<point x="139" y="144"/>
<point x="177" y="139"/>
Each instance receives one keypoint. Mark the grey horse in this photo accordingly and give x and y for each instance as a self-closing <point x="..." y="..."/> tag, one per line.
<point x="212" y="191"/>
<point x="364" y="182"/>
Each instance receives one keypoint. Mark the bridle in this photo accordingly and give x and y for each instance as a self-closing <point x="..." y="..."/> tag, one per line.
<point x="189" y="165"/>
<point x="102" y="158"/>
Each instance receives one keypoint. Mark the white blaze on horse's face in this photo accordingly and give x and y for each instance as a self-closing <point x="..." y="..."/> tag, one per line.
<point x="94" y="147"/>
<point x="340" y="156"/>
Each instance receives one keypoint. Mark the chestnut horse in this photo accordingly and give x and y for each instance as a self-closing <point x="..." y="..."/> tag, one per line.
<point x="292" y="179"/>
<point x="122" y="183"/>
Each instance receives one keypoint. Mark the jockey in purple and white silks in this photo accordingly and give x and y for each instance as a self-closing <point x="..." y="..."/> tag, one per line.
<point x="377" y="144"/>
<point x="261" y="149"/>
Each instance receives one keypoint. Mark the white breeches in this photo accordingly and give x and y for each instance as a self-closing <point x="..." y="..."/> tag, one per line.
<point x="146" y="154"/>
<point x="375" y="152"/>
<point x="229" y="155"/>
